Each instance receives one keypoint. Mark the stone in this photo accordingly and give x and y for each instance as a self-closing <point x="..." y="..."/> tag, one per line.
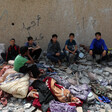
<point x="109" y="63"/>
<point x="20" y="110"/>
<point x="68" y="71"/>
<point x="98" y="57"/>
<point x="30" y="109"/>
<point x="84" y="80"/>
<point x="107" y="107"/>
<point x="82" y="60"/>
<point x="108" y="69"/>
<point x="74" y="67"/>
<point x="27" y="105"/>
<point x="97" y="71"/>
<point x="89" y="58"/>
<point x="1" y="107"/>
<point x="13" y="98"/>
<point x="5" y="110"/>
<point x="106" y="74"/>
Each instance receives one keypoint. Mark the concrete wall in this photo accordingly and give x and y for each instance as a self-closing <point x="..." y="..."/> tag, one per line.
<point x="42" y="18"/>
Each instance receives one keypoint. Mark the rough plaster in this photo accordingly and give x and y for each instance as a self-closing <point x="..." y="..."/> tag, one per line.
<point x="42" y="18"/>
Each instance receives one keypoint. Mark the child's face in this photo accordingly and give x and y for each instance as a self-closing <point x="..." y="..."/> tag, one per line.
<point x="12" y="42"/>
<point x="30" y="41"/>
<point x="98" y="37"/>
<point x="72" y="37"/>
<point x="54" y="39"/>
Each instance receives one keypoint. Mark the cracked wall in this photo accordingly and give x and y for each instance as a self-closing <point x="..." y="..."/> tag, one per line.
<point x="42" y="18"/>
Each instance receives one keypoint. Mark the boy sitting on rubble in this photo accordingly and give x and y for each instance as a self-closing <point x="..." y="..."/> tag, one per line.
<point x="71" y="48"/>
<point x="34" y="49"/>
<point x="23" y="65"/>
<point x="98" y="47"/>
<point x="12" y="52"/>
<point x="54" y="50"/>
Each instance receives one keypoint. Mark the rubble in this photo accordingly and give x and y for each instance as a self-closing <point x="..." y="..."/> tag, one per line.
<point x="83" y="76"/>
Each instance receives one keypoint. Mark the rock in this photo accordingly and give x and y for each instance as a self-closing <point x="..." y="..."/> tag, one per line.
<point x="89" y="58"/>
<point x="74" y="67"/>
<point x="27" y="105"/>
<point x="100" y="78"/>
<point x="20" y="110"/>
<point x="5" y="110"/>
<point x="108" y="69"/>
<point x="106" y="74"/>
<point x="82" y="60"/>
<point x="109" y="63"/>
<point x="13" y="98"/>
<point x="97" y="71"/>
<point x="81" y="67"/>
<point x="68" y="70"/>
<point x="107" y="107"/>
<point x="98" y="57"/>
<point x="30" y="109"/>
<point x="1" y="107"/>
<point x="84" y="80"/>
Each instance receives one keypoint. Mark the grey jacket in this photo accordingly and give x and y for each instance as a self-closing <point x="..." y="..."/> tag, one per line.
<point x="53" y="48"/>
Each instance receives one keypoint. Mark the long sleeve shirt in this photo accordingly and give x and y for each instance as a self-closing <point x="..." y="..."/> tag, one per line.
<point x="98" y="45"/>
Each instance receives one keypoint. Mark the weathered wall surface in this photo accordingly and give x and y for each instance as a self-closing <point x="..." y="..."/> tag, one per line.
<point x="42" y="18"/>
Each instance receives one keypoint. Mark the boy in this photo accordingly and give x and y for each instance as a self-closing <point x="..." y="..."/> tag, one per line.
<point x="54" y="50"/>
<point x="12" y="52"/>
<point x="23" y="65"/>
<point x="71" y="48"/>
<point x="34" y="49"/>
<point x="98" y="46"/>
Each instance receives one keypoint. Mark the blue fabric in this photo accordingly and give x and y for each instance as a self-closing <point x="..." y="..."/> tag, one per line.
<point x="27" y="44"/>
<point x="98" y="45"/>
<point x="70" y="45"/>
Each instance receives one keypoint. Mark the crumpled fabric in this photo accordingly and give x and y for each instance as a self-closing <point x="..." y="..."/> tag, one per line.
<point x="4" y="69"/>
<point x="61" y="81"/>
<point x="63" y="95"/>
<point x="56" y="106"/>
<point x="80" y="91"/>
<point x="13" y="77"/>
<point x="6" y="73"/>
<point x="18" y="88"/>
<point x="45" y="95"/>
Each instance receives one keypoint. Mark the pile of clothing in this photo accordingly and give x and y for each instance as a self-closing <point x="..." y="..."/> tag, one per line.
<point x="13" y="83"/>
<point x="55" y="94"/>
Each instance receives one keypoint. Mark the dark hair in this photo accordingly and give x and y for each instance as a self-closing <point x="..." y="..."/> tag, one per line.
<point x="12" y="39"/>
<point x="23" y="50"/>
<point x="54" y="35"/>
<point x="97" y="33"/>
<point x="30" y="38"/>
<point x="71" y="34"/>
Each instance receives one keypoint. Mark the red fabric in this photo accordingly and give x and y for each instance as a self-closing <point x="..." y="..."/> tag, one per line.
<point x="36" y="103"/>
<point x="49" y="85"/>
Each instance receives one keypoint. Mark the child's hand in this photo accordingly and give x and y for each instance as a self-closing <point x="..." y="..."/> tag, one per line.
<point x="104" y="53"/>
<point x="91" y="52"/>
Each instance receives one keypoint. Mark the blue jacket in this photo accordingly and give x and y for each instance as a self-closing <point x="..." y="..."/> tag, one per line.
<point x="98" y="45"/>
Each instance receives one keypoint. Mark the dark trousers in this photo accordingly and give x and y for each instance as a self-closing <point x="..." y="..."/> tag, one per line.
<point x="67" y="54"/>
<point x="99" y="52"/>
<point x="36" y="54"/>
<point x="3" y="55"/>
<point x="30" y="68"/>
<point x="55" y="58"/>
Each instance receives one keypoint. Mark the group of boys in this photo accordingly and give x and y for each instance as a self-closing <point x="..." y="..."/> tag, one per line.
<point x="26" y="56"/>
